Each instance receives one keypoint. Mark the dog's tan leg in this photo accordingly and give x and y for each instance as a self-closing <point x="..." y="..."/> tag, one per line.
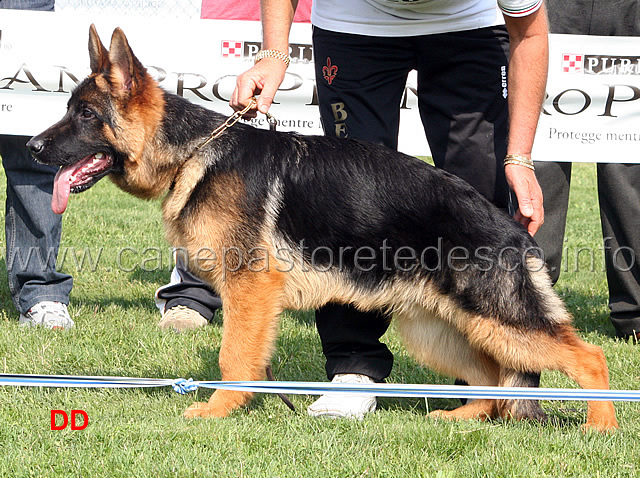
<point x="586" y="364"/>
<point x="251" y="306"/>
<point x="560" y="349"/>
<point x="437" y="345"/>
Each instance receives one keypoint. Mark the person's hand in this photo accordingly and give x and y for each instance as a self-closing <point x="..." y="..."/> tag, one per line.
<point x="263" y="79"/>
<point x="524" y="184"/>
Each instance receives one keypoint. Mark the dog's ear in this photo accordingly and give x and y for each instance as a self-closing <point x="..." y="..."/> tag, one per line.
<point x="98" y="54"/>
<point x="127" y="73"/>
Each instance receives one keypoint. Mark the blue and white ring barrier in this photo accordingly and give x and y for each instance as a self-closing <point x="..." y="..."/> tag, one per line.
<point x="321" y="388"/>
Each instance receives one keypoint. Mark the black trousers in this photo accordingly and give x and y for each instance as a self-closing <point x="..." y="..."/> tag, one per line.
<point x="463" y="107"/>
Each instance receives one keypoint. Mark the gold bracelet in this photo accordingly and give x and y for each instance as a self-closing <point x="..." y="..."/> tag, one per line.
<point x="262" y="54"/>
<point x="519" y="160"/>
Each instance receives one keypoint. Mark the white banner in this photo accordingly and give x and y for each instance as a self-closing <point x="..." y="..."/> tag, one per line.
<point x="592" y="109"/>
<point x="590" y="114"/>
<point x="42" y="55"/>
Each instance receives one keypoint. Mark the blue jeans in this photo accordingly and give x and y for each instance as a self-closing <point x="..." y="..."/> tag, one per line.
<point x="32" y="229"/>
<point x="45" y="5"/>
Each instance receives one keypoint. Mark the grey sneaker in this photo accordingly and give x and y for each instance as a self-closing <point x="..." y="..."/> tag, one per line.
<point x="349" y="405"/>
<point x="48" y="314"/>
<point x="181" y="318"/>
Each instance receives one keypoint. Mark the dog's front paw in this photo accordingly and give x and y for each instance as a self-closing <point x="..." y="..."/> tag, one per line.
<point x="204" y="410"/>
<point x="220" y="405"/>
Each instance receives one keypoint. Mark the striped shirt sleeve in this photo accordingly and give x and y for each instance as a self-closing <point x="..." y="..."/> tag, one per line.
<point x="519" y="8"/>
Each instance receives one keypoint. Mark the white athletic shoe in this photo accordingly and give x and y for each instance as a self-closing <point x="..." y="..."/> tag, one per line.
<point x="181" y="318"/>
<point x="349" y="405"/>
<point x="51" y="315"/>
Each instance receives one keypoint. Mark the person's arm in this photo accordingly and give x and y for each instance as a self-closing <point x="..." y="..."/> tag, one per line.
<point x="266" y="76"/>
<point x="528" y="65"/>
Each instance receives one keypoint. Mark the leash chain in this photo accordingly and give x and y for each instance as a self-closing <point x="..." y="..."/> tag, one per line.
<point x="233" y="119"/>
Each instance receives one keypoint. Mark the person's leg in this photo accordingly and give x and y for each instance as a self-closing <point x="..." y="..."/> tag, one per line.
<point x="619" y="194"/>
<point x="41" y="5"/>
<point x="186" y="302"/>
<point x="463" y="105"/>
<point x="360" y="83"/>
<point x="351" y="341"/>
<point x="555" y="181"/>
<point x="33" y="237"/>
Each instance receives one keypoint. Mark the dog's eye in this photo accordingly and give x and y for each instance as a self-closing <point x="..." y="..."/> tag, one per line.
<point x="87" y="113"/>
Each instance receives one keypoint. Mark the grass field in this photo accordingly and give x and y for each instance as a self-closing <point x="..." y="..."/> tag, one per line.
<point x="142" y="433"/>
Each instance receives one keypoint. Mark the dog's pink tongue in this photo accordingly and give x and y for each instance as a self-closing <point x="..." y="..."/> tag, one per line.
<point x="61" y="190"/>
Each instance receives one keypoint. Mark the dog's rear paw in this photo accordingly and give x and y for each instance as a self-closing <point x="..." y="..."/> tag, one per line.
<point x="476" y="410"/>
<point x="204" y="410"/>
<point x="453" y="415"/>
<point x="441" y="414"/>
<point x="602" y="426"/>
<point x="601" y="417"/>
<point x="522" y="410"/>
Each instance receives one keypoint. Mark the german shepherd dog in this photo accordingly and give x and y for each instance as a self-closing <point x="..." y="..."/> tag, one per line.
<point x="296" y="222"/>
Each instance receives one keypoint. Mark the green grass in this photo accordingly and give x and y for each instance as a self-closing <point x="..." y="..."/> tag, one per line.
<point x="142" y="433"/>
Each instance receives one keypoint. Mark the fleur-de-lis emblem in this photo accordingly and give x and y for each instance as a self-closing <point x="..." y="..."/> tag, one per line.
<point x="329" y="71"/>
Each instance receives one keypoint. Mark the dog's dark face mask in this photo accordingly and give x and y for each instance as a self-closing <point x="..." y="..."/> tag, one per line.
<point x="82" y="142"/>
<point x="77" y="144"/>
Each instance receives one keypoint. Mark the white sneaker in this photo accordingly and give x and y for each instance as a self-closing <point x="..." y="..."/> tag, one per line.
<point x="348" y="405"/>
<point x="181" y="318"/>
<point x="51" y="315"/>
